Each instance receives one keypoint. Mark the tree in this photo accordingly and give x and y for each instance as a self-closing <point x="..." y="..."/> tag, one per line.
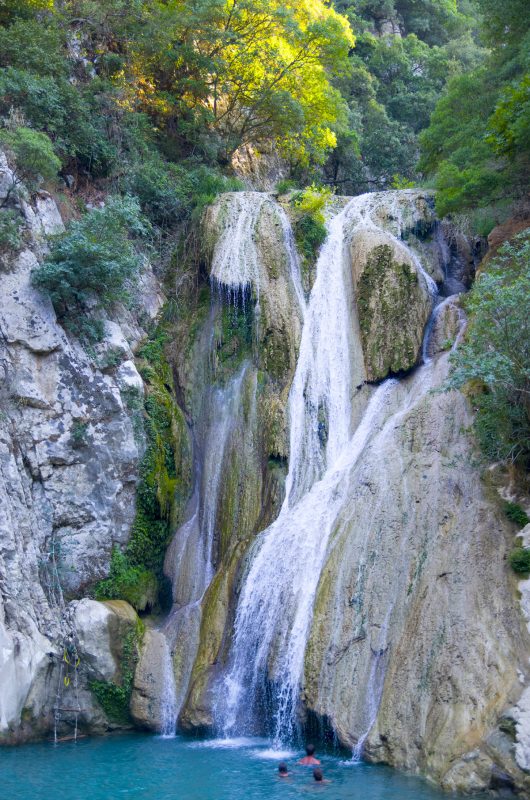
<point x="93" y="260"/>
<point x="245" y="71"/>
<point x="405" y="53"/>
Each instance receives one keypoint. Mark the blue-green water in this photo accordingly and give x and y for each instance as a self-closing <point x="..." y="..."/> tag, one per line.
<point x="141" y="767"/>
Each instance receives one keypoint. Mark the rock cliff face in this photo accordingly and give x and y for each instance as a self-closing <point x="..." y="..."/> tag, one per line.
<point x="68" y="469"/>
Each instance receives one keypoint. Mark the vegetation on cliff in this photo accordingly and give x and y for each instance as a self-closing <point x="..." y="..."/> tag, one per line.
<point x="495" y="356"/>
<point x="477" y="145"/>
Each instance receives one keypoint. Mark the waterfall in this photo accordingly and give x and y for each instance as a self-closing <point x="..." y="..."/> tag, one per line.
<point x="235" y="263"/>
<point x="275" y="606"/>
<point x="264" y="678"/>
<point x="190" y="556"/>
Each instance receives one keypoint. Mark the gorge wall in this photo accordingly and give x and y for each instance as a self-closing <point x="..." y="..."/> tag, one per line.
<point x="313" y="412"/>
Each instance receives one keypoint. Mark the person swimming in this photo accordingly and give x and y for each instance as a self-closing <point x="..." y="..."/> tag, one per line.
<point x="319" y="777"/>
<point x="309" y="760"/>
<point x="282" y="770"/>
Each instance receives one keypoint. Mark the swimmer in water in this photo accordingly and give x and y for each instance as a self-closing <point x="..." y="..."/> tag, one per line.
<point x="319" y="777"/>
<point x="309" y="760"/>
<point x="282" y="770"/>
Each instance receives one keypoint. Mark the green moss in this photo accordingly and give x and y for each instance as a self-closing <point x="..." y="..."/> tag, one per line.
<point x="114" y="698"/>
<point x="136" y="585"/>
<point x="385" y="291"/>
<point x="234" y="336"/>
<point x="164" y="485"/>
<point x="507" y="725"/>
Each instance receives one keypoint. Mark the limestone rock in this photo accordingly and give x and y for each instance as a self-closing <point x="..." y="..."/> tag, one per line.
<point x="148" y="688"/>
<point x="397" y="654"/>
<point x="100" y="629"/>
<point x="68" y="473"/>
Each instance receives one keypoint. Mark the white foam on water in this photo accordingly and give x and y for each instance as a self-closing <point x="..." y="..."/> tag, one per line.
<point x="274" y="754"/>
<point x="226" y="743"/>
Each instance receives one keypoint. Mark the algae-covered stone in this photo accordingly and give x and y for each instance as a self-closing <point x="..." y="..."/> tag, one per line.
<point x="392" y="302"/>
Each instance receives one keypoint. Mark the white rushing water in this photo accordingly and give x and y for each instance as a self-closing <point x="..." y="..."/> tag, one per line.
<point x="275" y="607"/>
<point x="235" y="264"/>
<point x="169" y="711"/>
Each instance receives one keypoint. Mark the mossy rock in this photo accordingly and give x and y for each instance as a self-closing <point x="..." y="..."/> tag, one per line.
<point x="393" y="309"/>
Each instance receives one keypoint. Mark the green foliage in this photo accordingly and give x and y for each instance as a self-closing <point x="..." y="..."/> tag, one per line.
<point x="31" y="45"/>
<point x="94" y="259"/>
<point x="519" y="560"/>
<point x="33" y="155"/>
<point x="126" y="582"/>
<point x="77" y="119"/>
<point x="309" y="221"/>
<point x="495" y="356"/>
<point x="393" y="85"/>
<point x="285" y="186"/>
<point x="79" y="432"/>
<point x="137" y="575"/>
<point x="10" y="225"/>
<point x="516" y="514"/>
<point x="114" y="698"/>
<point x="477" y="147"/>
<point x="400" y="182"/>
<point x="242" y="73"/>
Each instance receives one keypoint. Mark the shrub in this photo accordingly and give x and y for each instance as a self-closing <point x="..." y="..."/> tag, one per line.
<point x="309" y="222"/>
<point x="33" y="155"/>
<point x="519" y="560"/>
<point x="164" y="191"/>
<point x="94" y="258"/>
<point x="401" y="182"/>
<point x="74" y="117"/>
<point x="132" y="583"/>
<point x="493" y="361"/>
<point x="10" y="224"/>
<point x="516" y="514"/>
<point x="285" y="186"/>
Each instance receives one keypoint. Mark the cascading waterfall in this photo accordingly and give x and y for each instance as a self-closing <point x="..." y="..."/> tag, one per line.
<point x="275" y="607"/>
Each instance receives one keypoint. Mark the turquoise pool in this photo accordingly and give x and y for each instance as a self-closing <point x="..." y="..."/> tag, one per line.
<point x="142" y="767"/>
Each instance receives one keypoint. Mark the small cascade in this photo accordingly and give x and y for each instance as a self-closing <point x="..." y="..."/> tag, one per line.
<point x="168" y="711"/>
<point x="235" y="264"/>
<point x="190" y="556"/>
<point x="67" y="688"/>
<point x="376" y="682"/>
